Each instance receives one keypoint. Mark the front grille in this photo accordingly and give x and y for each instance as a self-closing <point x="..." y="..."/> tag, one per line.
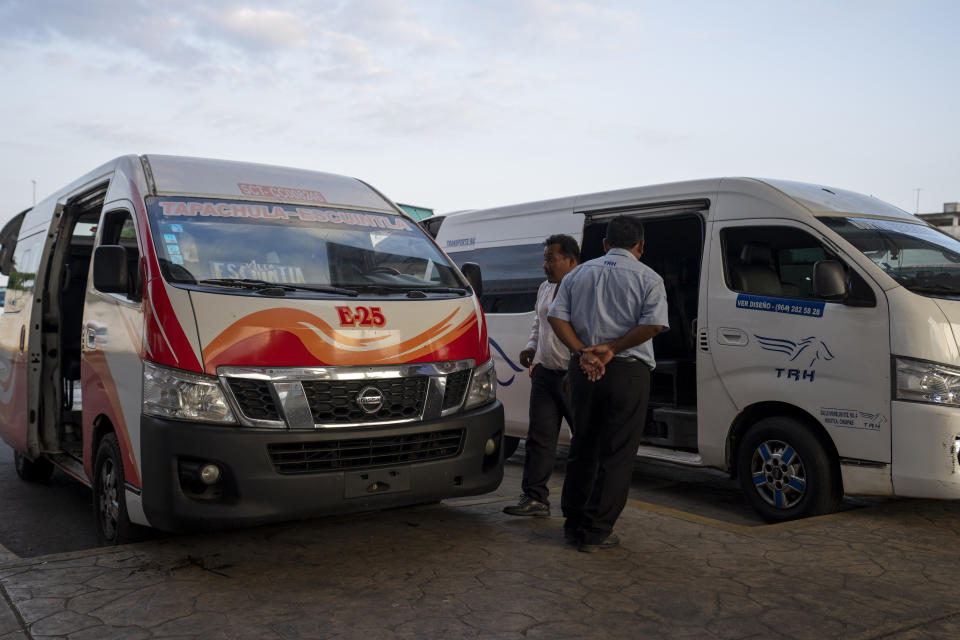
<point x="335" y="401"/>
<point x="456" y="387"/>
<point x="362" y="453"/>
<point x="254" y="398"/>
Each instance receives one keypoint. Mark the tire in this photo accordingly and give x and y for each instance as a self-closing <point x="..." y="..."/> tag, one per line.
<point x="510" y="445"/>
<point x="786" y="472"/>
<point x="109" y="503"/>
<point x="38" y="470"/>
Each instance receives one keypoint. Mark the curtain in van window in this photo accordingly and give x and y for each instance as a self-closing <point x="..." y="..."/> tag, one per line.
<point x="511" y="276"/>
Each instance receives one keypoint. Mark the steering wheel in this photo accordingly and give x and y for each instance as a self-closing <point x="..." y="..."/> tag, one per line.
<point x="390" y="270"/>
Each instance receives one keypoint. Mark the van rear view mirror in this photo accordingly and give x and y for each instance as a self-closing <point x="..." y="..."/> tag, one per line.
<point x="110" y="269"/>
<point x="829" y="280"/>
<point x="471" y="271"/>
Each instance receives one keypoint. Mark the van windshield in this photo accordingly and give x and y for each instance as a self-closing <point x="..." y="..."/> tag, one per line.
<point x="212" y="241"/>
<point x="919" y="257"/>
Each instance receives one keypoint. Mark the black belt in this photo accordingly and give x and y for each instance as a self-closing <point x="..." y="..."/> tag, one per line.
<point x="631" y="360"/>
<point x="556" y="372"/>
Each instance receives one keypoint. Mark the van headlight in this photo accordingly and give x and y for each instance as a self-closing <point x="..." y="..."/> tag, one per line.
<point x="173" y="393"/>
<point x="927" y="382"/>
<point x="483" y="386"/>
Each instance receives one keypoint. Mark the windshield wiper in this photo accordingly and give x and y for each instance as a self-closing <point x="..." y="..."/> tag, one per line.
<point x="322" y="288"/>
<point x="934" y="288"/>
<point x="391" y="288"/>
<point x="243" y="283"/>
<point x="257" y="285"/>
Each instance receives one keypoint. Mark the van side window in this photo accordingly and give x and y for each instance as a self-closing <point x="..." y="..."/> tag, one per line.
<point x="771" y="261"/>
<point x="511" y="276"/>
<point x="26" y="262"/>
<point x="118" y="229"/>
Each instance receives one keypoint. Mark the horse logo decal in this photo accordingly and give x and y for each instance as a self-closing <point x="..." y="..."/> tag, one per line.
<point x="510" y="363"/>
<point x="811" y="346"/>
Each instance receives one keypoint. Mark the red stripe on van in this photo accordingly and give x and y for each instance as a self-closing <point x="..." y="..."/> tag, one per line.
<point x="166" y="341"/>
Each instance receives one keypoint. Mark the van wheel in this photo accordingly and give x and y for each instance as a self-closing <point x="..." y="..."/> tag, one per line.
<point x="786" y="472"/>
<point x="510" y="445"/>
<point x="38" y="470"/>
<point x="109" y="503"/>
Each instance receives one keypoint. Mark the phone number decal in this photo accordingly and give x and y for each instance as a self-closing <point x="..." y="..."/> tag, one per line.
<point x="780" y="305"/>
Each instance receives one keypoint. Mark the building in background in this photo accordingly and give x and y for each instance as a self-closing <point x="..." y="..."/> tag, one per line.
<point x="417" y="213"/>
<point x="948" y="220"/>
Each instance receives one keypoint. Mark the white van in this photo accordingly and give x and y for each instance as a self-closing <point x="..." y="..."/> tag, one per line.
<point x="814" y="347"/>
<point x="212" y="343"/>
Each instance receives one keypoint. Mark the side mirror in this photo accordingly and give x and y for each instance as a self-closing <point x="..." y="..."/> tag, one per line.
<point x="110" y="269"/>
<point x="471" y="271"/>
<point x="829" y="280"/>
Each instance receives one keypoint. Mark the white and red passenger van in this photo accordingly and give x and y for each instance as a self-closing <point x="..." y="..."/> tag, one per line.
<point x="210" y="344"/>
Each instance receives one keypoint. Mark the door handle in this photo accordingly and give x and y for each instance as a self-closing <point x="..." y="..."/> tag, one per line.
<point x="91" y="338"/>
<point x="23" y="336"/>
<point x="732" y="337"/>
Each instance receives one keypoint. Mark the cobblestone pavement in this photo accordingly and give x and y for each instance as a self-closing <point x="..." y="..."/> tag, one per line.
<point x="462" y="569"/>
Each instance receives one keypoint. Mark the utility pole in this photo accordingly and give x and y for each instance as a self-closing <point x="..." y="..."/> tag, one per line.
<point x="918" y="190"/>
<point x="34" y="192"/>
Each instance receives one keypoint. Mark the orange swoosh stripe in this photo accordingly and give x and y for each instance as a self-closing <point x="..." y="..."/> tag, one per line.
<point x="304" y="326"/>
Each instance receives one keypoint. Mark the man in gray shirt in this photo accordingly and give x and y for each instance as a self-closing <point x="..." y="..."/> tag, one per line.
<point x="606" y="312"/>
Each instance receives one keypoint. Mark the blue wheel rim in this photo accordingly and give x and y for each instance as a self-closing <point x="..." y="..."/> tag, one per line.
<point x="778" y="474"/>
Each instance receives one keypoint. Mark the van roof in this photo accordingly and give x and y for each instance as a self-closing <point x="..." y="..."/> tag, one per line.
<point x="815" y="198"/>
<point x="826" y="200"/>
<point x="184" y="176"/>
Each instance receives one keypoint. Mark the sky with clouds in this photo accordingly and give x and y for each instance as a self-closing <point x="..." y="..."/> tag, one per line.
<point x="455" y="104"/>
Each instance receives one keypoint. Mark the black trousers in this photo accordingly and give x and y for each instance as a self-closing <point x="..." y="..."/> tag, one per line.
<point x="609" y="416"/>
<point x="548" y="406"/>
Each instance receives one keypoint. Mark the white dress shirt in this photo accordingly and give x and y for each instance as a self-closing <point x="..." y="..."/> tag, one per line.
<point x="551" y="352"/>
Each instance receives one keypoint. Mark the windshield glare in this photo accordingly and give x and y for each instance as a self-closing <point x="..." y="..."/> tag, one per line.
<point x="199" y="239"/>
<point x="917" y="256"/>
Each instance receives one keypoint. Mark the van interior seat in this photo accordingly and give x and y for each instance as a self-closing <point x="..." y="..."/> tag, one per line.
<point x="755" y="273"/>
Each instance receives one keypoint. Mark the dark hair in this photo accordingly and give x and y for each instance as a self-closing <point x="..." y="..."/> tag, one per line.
<point x="624" y="232"/>
<point x="568" y="245"/>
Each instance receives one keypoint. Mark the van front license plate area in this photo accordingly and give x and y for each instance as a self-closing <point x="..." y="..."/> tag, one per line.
<point x="360" y="484"/>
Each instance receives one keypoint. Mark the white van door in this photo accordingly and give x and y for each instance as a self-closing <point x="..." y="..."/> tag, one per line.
<point x="773" y="341"/>
<point x="18" y="407"/>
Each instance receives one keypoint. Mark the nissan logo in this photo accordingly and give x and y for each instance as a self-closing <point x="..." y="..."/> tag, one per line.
<point x="370" y="399"/>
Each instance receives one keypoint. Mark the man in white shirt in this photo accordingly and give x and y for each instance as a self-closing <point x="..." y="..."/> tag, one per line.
<point x="548" y="403"/>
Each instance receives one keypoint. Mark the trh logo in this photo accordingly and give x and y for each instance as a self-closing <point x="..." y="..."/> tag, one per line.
<point x="807" y="347"/>
<point x="815" y="349"/>
<point x="506" y="359"/>
<point x="370" y="399"/>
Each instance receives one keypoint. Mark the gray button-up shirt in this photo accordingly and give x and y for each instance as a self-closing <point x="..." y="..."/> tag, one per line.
<point x="606" y="297"/>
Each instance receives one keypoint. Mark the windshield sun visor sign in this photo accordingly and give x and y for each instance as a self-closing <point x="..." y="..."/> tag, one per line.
<point x="201" y="209"/>
<point x="281" y="193"/>
<point x="780" y="305"/>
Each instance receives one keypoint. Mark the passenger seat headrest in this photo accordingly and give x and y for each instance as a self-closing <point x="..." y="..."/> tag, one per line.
<point x="758" y="253"/>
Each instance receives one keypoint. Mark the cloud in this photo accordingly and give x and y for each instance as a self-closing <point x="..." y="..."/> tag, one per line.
<point x="176" y="33"/>
<point x="395" y="23"/>
<point x="426" y="114"/>
<point x="347" y="58"/>
<point x="250" y="28"/>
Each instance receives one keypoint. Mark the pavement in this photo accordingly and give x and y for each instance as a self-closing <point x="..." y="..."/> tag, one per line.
<point x="462" y="569"/>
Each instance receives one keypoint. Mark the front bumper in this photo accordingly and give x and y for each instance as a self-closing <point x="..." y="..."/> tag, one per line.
<point x="925" y="449"/>
<point x="252" y="491"/>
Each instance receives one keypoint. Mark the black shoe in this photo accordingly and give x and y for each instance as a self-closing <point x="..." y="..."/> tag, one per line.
<point x="528" y="507"/>
<point x="611" y="541"/>
<point x="572" y="536"/>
